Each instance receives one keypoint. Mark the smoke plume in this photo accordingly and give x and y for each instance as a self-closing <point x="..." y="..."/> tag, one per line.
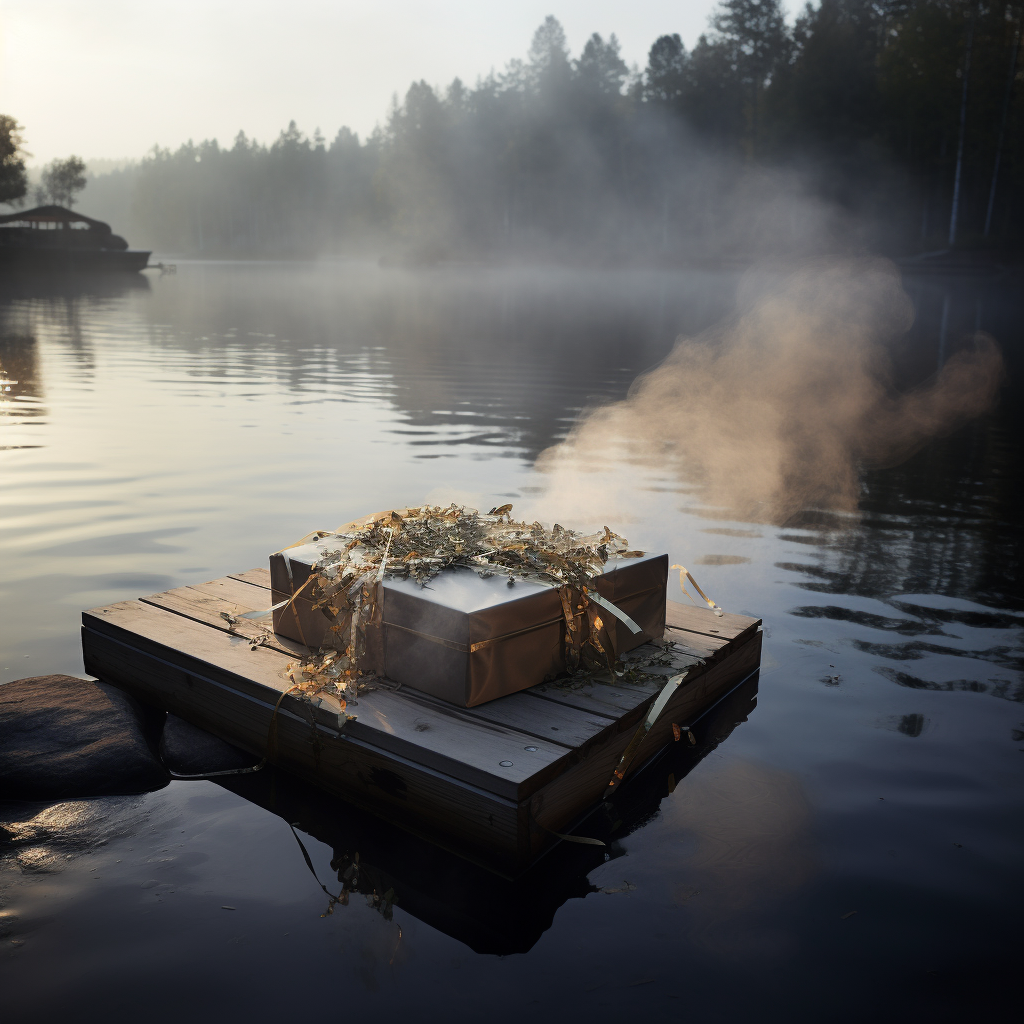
<point x="778" y="409"/>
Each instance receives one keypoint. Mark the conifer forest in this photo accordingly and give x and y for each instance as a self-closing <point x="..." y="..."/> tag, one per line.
<point x="860" y="126"/>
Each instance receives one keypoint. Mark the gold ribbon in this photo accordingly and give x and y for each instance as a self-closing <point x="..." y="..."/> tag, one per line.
<point x="685" y="573"/>
<point x="645" y="727"/>
<point x="264" y="612"/>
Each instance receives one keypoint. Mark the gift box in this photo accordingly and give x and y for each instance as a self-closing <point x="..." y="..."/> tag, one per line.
<point x="467" y="639"/>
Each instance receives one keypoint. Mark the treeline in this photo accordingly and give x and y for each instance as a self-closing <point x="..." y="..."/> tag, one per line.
<point x="857" y="126"/>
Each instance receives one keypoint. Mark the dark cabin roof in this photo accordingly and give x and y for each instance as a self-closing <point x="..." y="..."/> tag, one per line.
<point x="49" y="214"/>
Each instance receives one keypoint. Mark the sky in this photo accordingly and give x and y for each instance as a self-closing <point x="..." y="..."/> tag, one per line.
<point x="111" y="78"/>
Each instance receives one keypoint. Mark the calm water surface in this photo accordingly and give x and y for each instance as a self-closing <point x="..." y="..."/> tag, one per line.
<point x="171" y="430"/>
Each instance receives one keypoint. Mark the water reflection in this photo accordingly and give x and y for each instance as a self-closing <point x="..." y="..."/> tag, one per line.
<point x="42" y="838"/>
<point x="501" y="360"/>
<point x="471" y="904"/>
<point x="23" y="284"/>
<point x="240" y="403"/>
<point x="749" y="833"/>
<point x="20" y="390"/>
<point x="948" y="308"/>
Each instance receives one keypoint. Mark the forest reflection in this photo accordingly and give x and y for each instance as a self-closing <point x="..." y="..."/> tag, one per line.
<point x="504" y="357"/>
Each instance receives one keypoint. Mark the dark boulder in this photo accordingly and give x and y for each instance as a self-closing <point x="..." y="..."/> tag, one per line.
<point x="188" y="750"/>
<point x="61" y="737"/>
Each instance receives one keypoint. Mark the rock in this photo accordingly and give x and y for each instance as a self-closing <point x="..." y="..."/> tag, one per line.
<point x="62" y="737"/>
<point x="188" y="750"/>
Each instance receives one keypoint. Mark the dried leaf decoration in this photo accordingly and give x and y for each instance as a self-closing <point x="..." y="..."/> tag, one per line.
<point x="418" y="544"/>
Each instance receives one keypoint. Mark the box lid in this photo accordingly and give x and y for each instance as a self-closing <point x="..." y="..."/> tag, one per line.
<point x="460" y="606"/>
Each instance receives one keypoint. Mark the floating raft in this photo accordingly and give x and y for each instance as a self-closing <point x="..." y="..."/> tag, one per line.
<point x="495" y="783"/>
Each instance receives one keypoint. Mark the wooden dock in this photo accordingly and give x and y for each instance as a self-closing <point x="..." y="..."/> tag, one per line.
<point x="493" y="783"/>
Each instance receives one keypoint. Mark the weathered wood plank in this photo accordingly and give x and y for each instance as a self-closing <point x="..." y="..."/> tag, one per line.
<point x="596" y="696"/>
<point x="728" y="626"/>
<point x="696" y="645"/>
<point x="459" y="743"/>
<point x="258" y="577"/>
<point x="166" y="634"/>
<point x="719" y="677"/>
<point x="207" y="608"/>
<point x="620" y="698"/>
<point x="247" y="596"/>
<point x="251" y="596"/>
<point x="567" y="726"/>
<point x="446" y="738"/>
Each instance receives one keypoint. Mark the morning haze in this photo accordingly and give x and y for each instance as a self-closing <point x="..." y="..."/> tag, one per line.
<point x="741" y="149"/>
<point x="734" y="286"/>
<point x="216" y="67"/>
<point x="852" y="130"/>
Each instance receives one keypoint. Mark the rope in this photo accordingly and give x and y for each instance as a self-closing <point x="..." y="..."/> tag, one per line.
<point x="241" y="771"/>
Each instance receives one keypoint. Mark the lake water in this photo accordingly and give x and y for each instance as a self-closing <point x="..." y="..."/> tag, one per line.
<point x="846" y="844"/>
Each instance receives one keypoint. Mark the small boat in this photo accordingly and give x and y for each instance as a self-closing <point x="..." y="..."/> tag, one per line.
<point x="56" y="238"/>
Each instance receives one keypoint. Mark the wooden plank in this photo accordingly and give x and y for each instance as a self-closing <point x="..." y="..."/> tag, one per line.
<point x="456" y="741"/>
<point x="612" y="700"/>
<point x="251" y="596"/>
<point x="728" y="626"/>
<point x="178" y="638"/>
<point x="258" y="577"/>
<point x="697" y="645"/>
<point x="619" y="698"/>
<point x="470" y="820"/>
<point x="553" y="808"/>
<point x="717" y="680"/>
<point x="193" y="603"/>
<point x="448" y="739"/>
<point x="567" y="726"/>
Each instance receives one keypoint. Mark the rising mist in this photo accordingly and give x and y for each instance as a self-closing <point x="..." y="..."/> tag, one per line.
<point x="778" y="409"/>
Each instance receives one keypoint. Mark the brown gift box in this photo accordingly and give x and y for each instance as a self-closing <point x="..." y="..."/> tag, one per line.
<point x="469" y="640"/>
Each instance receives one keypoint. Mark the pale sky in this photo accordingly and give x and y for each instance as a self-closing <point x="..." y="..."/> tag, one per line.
<point x="111" y="78"/>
